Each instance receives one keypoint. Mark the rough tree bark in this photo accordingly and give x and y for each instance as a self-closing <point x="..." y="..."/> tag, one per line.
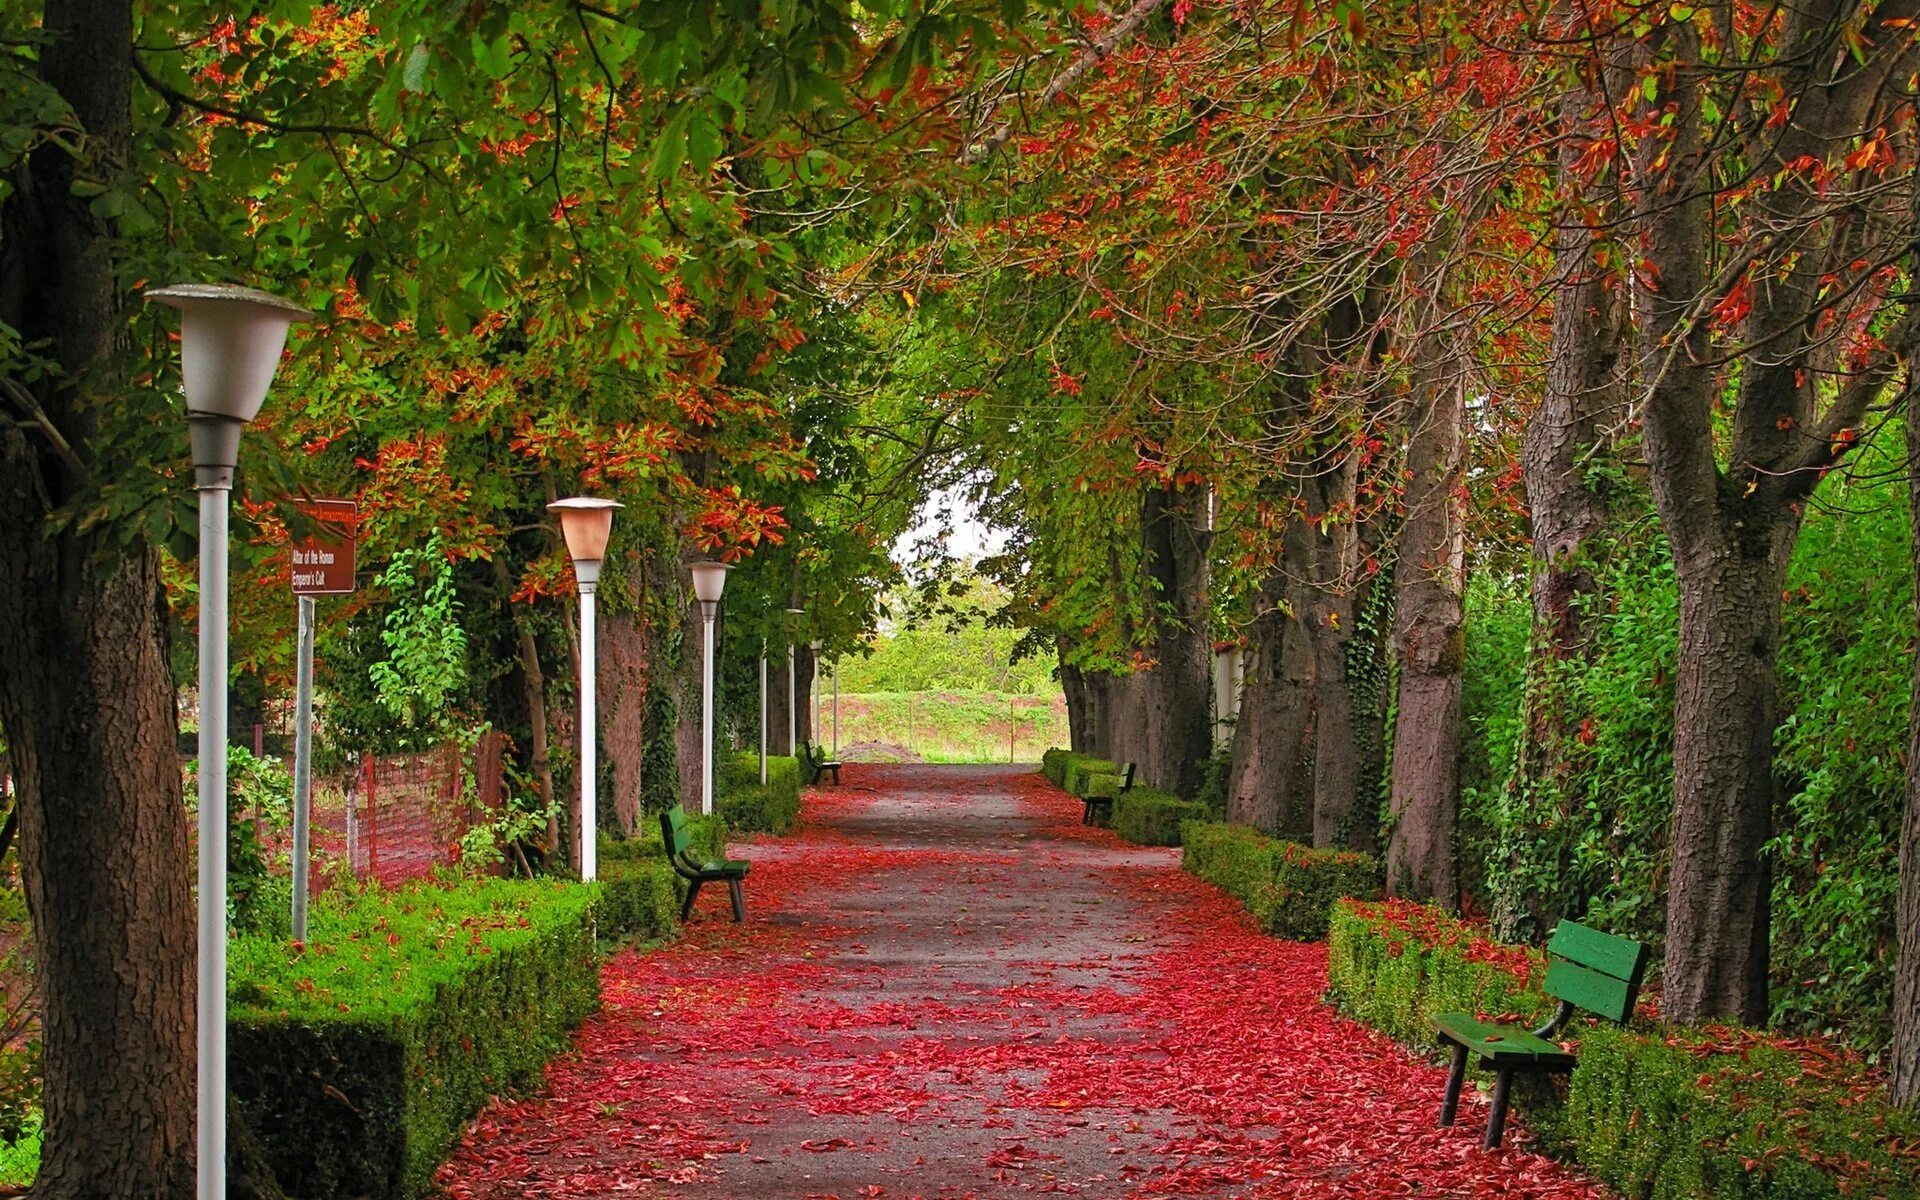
<point x="86" y="694"/>
<point x="1566" y="514"/>
<point x="533" y="681"/>
<point x="1173" y="696"/>
<point x="1073" y="683"/>
<point x="1429" y="635"/>
<point x="1733" y="529"/>
<point x="1904" y="1066"/>
<point x="1276" y="702"/>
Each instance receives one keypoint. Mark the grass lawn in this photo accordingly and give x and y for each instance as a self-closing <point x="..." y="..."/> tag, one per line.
<point x="947" y="727"/>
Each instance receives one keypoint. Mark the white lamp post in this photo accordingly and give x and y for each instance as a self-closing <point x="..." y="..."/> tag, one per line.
<point x="793" y="693"/>
<point x="763" y="712"/>
<point x="709" y="580"/>
<point x="813" y="685"/>
<point x="587" y="522"/>
<point x="230" y="343"/>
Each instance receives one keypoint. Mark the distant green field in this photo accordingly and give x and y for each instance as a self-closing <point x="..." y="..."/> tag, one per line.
<point x="947" y="727"/>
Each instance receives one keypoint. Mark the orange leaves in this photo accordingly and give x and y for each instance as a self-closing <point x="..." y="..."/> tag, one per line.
<point x="1735" y="306"/>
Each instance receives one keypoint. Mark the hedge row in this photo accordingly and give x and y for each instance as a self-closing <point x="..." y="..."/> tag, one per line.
<point x="1290" y="889"/>
<point x="1071" y="771"/>
<point x="1718" y="1113"/>
<point x="640" y="894"/>
<point x="358" y="1055"/>
<point x="1149" y="818"/>
<point x="750" y="807"/>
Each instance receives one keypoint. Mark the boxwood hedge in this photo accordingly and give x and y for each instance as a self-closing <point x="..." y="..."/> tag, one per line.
<point x="1149" y="818"/>
<point x="1290" y="889"/>
<point x="357" y="1056"/>
<point x="750" y="807"/>
<point x="1070" y="771"/>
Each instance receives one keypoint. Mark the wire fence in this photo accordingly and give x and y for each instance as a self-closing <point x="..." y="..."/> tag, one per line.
<point x="399" y="816"/>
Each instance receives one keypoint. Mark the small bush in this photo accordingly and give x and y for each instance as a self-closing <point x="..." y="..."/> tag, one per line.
<point x="19" y="1089"/>
<point x="1290" y="889"/>
<point x="357" y="1056"/>
<point x="1393" y="964"/>
<point x="639" y="898"/>
<point x="1053" y="764"/>
<point x="1149" y="818"/>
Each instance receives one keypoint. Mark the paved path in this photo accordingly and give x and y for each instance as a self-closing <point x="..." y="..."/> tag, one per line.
<point x="948" y="987"/>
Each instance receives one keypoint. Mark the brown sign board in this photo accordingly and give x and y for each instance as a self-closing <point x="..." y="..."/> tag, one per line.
<point x="323" y="564"/>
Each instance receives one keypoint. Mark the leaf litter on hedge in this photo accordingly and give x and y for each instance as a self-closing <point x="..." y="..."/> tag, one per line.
<point x="950" y="991"/>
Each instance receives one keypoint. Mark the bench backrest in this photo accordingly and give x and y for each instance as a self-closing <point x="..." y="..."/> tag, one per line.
<point x="1595" y="971"/>
<point x="673" y="832"/>
<point x="1126" y="779"/>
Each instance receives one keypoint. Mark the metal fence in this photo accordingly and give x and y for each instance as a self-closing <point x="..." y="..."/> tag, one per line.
<point x="399" y="816"/>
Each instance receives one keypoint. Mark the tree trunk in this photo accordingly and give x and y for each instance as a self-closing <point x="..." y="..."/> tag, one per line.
<point x="1073" y="683"/>
<point x="1724" y="720"/>
<point x="86" y="693"/>
<point x="1276" y="709"/>
<point x="622" y="685"/>
<point x="1173" y="694"/>
<point x="1904" y="1065"/>
<point x="533" y="682"/>
<point x="1330" y="611"/>
<point x="1429" y="631"/>
<point x="1566" y="515"/>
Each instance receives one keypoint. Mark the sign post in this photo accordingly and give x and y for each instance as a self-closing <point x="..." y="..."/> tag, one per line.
<point x="322" y="566"/>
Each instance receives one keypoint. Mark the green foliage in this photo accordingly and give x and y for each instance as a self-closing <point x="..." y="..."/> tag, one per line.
<point x="358" y="1055"/>
<point x="20" y="1155"/>
<point x="1149" y="818"/>
<point x="19" y="1090"/>
<point x="259" y="803"/>
<point x="951" y="726"/>
<point x="1214" y="778"/>
<point x="1499" y="620"/>
<point x="1394" y="964"/>
<point x="1073" y="771"/>
<point x="946" y="637"/>
<point x="1722" y="1113"/>
<point x="745" y="805"/>
<point x="1289" y="889"/>
<point x="426" y="665"/>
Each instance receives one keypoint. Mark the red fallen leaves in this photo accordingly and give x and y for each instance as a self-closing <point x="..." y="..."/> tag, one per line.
<point x="1038" y="1007"/>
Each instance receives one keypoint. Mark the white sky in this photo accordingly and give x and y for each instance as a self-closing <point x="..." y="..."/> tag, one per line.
<point x="967" y="537"/>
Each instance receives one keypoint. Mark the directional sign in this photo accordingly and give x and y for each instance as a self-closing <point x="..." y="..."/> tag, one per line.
<point x="323" y="564"/>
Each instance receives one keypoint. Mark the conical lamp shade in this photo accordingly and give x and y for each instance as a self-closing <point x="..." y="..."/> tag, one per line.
<point x="230" y="343"/>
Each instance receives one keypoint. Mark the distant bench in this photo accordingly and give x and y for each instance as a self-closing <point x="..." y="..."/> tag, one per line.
<point x="1102" y="790"/>
<point x="731" y="871"/>
<point x="1586" y="969"/>
<point x="814" y="761"/>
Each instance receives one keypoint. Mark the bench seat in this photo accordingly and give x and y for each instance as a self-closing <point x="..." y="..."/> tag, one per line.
<point x="730" y="871"/>
<point x="1502" y="1045"/>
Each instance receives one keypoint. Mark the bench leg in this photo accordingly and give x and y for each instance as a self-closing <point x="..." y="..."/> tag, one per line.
<point x="836" y="777"/>
<point x="1497" y="1119"/>
<point x="1456" y="1075"/>
<point x="739" y="895"/>
<point x="686" y="906"/>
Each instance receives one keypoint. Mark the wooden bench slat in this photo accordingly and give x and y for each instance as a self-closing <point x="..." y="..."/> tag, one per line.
<point x="1597" y="951"/>
<point x="1501" y="1045"/>
<point x="1597" y="993"/>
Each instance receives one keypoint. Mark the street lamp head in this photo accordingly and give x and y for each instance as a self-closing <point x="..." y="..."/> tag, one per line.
<point x="230" y="343"/>
<point x="709" y="580"/>
<point x="586" y="522"/>
<point x="815" y="645"/>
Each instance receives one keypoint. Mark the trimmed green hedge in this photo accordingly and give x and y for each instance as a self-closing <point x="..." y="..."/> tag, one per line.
<point x="640" y="894"/>
<point x="358" y="1056"/>
<point x="1290" y="889"/>
<point x="1149" y="818"/>
<point x="1718" y="1113"/>
<point x="1070" y="771"/>
<point x="751" y="808"/>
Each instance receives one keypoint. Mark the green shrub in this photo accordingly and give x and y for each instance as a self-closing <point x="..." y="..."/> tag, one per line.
<point x="1053" y="764"/>
<point x="1149" y="818"/>
<point x="1394" y="963"/>
<point x="639" y="898"/>
<point x="1733" y="1113"/>
<point x="1290" y="889"/>
<point x="1666" y="1114"/>
<point x="358" y="1055"/>
<point x="751" y="808"/>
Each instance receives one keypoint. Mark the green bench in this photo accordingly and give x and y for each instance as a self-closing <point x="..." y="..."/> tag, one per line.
<point x="1586" y="969"/>
<point x="731" y="871"/>
<point x="814" y="761"/>
<point x="1102" y="790"/>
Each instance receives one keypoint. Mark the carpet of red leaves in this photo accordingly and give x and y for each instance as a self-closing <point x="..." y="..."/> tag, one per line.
<point x="949" y="987"/>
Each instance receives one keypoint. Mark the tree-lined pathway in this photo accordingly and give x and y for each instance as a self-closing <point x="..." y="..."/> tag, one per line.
<point x="948" y="987"/>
